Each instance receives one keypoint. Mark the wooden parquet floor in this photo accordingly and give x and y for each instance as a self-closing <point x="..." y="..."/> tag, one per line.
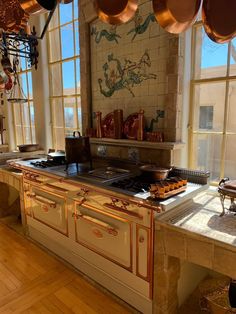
<point x="33" y="281"/>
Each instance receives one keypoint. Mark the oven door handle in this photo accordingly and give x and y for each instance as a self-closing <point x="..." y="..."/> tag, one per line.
<point x="103" y="225"/>
<point x="44" y="201"/>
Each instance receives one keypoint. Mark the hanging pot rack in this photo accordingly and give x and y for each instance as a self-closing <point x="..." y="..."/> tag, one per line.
<point x="16" y="38"/>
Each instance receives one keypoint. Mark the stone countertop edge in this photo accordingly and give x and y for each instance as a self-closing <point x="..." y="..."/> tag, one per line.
<point x="163" y="224"/>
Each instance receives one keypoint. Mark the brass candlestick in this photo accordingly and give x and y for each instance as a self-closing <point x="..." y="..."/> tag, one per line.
<point x="140" y="133"/>
<point x="99" y="124"/>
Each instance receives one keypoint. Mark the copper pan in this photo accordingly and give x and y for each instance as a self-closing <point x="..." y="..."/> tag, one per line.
<point x="64" y="1"/>
<point x="219" y="19"/>
<point x="176" y="16"/>
<point x="115" y="11"/>
<point x="37" y="6"/>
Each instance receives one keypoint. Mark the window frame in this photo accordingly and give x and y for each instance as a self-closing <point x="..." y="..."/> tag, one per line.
<point x="227" y="79"/>
<point x="30" y="100"/>
<point x="63" y="97"/>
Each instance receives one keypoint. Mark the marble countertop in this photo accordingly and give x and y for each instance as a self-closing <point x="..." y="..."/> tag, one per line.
<point x="202" y="217"/>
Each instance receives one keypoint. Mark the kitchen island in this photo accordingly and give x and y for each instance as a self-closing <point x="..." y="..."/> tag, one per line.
<point x="112" y="236"/>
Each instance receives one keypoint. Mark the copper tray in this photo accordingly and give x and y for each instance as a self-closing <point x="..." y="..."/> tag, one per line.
<point x="219" y="19"/>
<point x="176" y="16"/>
<point x="115" y="11"/>
<point x="108" y="128"/>
<point x="130" y="127"/>
<point x="168" y="194"/>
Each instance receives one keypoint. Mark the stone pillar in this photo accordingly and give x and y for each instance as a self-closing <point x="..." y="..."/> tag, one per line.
<point x="40" y="77"/>
<point x="86" y="15"/>
<point x="166" y="276"/>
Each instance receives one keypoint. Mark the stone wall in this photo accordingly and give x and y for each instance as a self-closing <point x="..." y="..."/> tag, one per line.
<point x="106" y="54"/>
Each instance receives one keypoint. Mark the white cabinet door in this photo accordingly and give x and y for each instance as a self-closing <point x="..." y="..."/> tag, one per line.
<point x="49" y="209"/>
<point x="106" y="234"/>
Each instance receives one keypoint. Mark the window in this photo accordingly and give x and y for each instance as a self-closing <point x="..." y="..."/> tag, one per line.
<point x="206" y="117"/>
<point x="212" y="135"/>
<point x="64" y="71"/>
<point x="23" y="114"/>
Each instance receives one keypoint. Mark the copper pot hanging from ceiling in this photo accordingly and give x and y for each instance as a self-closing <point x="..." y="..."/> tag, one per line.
<point x="37" y="6"/>
<point x="64" y="1"/>
<point x="176" y="16"/>
<point x="115" y="11"/>
<point x="219" y="19"/>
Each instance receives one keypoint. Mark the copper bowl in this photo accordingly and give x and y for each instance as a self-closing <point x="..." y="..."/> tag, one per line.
<point x="37" y="6"/>
<point x="219" y="19"/>
<point x="176" y="16"/>
<point x="28" y="147"/>
<point x="154" y="172"/>
<point x="115" y="11"/>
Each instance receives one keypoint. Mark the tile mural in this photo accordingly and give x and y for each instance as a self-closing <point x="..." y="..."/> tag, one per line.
<point x="140" y="27"/>
<point x="119" y="76"/>
<point x="109" y="35"/>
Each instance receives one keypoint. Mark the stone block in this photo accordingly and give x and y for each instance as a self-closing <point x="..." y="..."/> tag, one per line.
<point x="224" y="261"/>
<point x="175" y="244"/>
<point x="199" y="252"/>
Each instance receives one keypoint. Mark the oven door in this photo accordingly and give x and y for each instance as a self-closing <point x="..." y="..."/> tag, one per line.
<point x="49" y="209"/>
<point x="105" y="234"/>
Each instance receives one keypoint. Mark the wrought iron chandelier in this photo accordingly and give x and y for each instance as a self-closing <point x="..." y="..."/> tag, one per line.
<point x="16" y="38"/>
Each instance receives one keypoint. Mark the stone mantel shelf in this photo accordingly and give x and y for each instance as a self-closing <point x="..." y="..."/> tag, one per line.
<point x="138" y="144"/>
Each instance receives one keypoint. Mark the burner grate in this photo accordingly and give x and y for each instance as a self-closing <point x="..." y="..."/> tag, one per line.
<point x="159" y="189"/>
<point x="47" y="163"/>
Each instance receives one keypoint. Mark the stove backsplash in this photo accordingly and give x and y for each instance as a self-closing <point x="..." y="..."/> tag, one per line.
<point x="161" y="157"/>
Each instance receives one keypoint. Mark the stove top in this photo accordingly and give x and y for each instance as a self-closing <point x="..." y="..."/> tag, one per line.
<point x="158" y="189"/>
<point x="47" y="163"/>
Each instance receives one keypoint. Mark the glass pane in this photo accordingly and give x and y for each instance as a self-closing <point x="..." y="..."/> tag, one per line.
<point x="70" y="113"/>
<point x="233" y="57"/>
<point x="19" y="136"/>
<point x="231" y="123"/>
<point x="78" y="75"/>
<point x="209" y="102"/>
<point x="79" y="113"/>
<point x="77" y="48"/>
<point x="65" y="13"/>
<point x="17" y="114"/>
<point x="32" y="113"/>
<point x="67" y="41"/>
<point x="210" y="58"/>
<point x="207" y="153"/>
<point x="54" y="41"/>
<point x="25" y="114"/>
<point x="230" y="160"/>
<point x="23" y="83"/>
<point x="76" y="9"/>
<point x="27" y="135"/>
<point x="56" y="82"/>
<point x="22" y="64"/>
<point x="33" y="135"/>
<point x="30" y="87"/>
<point x="59" y="137"/>
<point x="68" y="74"/>
<point x="57" y="113"/>
<point x="55" y="20"/>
